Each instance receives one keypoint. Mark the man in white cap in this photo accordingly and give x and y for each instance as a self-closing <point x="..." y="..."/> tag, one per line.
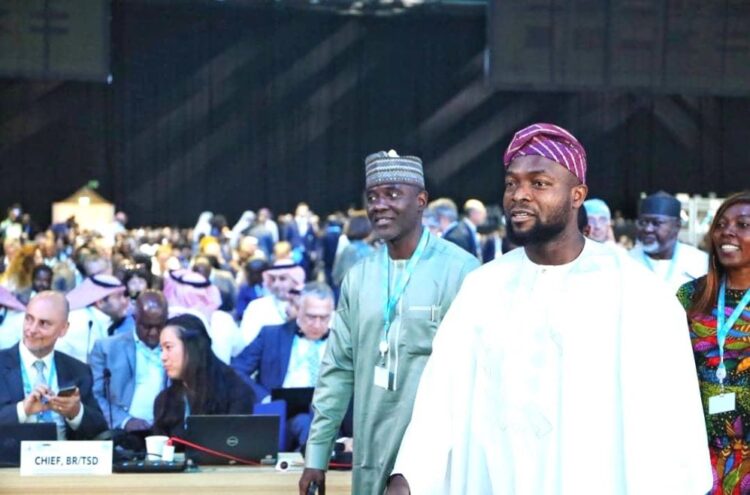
<point x="599" y="219"/>
<point x="391" y="304"/>
<point x="11" y="318"/>
<point x="99" y="308"/>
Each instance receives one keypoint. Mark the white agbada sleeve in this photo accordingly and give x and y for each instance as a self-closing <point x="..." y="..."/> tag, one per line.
<point x="440" y="413"/>
<point x="665" y="443"/>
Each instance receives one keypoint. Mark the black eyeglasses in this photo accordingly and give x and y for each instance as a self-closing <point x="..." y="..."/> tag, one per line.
<point x="654" y="222"/>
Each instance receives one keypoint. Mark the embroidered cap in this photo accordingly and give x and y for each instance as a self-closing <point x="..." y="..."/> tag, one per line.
<point x="390" y="168"/>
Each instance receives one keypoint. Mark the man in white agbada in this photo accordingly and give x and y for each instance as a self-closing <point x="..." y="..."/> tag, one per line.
<point x="560" y="368"/>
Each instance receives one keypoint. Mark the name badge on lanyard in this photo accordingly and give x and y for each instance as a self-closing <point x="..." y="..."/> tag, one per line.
<point x="383" y="377"/>
<point x="725" y="401"/>
<point x="721" y="403"/>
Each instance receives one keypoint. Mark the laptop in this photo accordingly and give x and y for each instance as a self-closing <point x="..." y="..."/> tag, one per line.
<point x="297" y="400"/>
<point x="11" y="437"/>
<point x="251" y="437"/>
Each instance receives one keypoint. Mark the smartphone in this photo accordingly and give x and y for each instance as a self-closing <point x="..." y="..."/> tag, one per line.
<point x="67" y="391"/>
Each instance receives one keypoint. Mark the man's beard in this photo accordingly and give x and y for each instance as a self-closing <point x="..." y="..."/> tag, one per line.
<point x="651" y="248"/>
<point x="540" y="233"/>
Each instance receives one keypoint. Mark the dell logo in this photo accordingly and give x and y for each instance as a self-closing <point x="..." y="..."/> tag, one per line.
<point x="233" y="441"/>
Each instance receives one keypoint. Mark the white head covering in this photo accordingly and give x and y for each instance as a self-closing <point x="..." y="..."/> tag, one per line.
<point x="245" y="222"/>
<point x="203" y="226"/>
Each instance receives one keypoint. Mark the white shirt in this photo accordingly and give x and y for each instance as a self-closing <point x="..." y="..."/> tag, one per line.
<point x="260" y="312"/>
<point x="298" y="373"/>
<point x="221" y="328"/>
<point x="687" y="264"/>
<point x="87" y="325"/>
<point x="558" y="381"/>
<point x="27" y="362"/>
<point x="149" y="381"/>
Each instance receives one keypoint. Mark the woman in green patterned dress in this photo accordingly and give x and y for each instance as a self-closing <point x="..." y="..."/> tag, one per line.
<point x="721" y="300"/>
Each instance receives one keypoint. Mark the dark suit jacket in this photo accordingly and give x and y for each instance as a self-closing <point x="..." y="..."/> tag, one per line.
<point x="269" y="355"/>
<point x="461" y="235"/>
<point x="70" y="371"/>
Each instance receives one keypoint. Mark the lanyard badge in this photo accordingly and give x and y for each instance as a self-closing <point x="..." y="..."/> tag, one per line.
<point x="398" y="291"/>
<point x="724" y="401"/>
<point x="383" y="376"/>
<point x="724" y="325"/>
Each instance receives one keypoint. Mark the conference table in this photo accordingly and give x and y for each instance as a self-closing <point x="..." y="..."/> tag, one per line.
<point x="206" y="480"/>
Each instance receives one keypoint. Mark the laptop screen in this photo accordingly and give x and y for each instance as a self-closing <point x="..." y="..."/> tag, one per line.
<point x="249" y="437"/>
<point x="11" y="437"/>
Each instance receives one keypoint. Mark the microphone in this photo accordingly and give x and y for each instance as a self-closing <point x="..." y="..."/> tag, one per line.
<point x="88" y="338"/>
<point x="107" y="375"/>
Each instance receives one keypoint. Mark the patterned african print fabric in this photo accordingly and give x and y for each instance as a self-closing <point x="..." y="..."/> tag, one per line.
<point x="729" y="432"/>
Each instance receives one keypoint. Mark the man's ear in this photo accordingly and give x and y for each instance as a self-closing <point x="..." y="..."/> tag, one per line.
<point x="64" y="330"/>
<point x="578" y="195"/>
<point x="422" y="199"/>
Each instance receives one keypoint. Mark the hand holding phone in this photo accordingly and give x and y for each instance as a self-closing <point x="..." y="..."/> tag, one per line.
<point x="67" y="402"/>
<point x="67" y="391"/>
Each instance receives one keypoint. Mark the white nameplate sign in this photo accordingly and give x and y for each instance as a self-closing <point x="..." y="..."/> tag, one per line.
<point x="74" y="457"/>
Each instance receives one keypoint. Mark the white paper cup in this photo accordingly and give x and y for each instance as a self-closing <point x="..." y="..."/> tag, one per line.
<point x="167" y="453"/>
<point x="155" y="447"/>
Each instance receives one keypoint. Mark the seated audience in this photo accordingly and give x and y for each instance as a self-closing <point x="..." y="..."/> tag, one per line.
<point x="133" y="359"/>
<point x="281" y="281"/>
<point x="11" y="318"/>
<point x="252" y="286"/>
<point x="190" y="292"/>
<point x="200" y="382"/>
<point x="289" y="355"/>
<point x="17" y="278"/>
<point x="41" y="280"/>
<point x="222" y="279"/>
<point x="34" y="373"/>
<point x="99" y="308"/>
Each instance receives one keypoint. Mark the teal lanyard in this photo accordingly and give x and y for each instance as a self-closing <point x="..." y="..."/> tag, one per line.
<point x="150" y="355"/>
<point x="44" y="416"/>
<point x="399" y="287"/>
<point x="187" y="411"/>
<point x="672" y="262"/>
<point x="723" y="325"/>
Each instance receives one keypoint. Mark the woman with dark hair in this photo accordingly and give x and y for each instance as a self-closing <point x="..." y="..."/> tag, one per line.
<point x="200" y="382"/>
<point x="718" y="308"/>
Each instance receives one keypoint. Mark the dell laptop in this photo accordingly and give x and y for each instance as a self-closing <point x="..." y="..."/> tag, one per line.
<point x="248" y="437"/>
